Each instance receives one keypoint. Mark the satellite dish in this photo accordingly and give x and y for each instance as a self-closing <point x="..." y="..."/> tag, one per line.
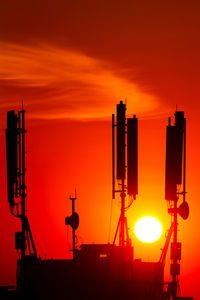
<point x="183" y="210"/>
<point x="73" y="221"/>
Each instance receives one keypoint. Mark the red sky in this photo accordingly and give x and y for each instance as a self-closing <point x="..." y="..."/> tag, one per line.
<point x="71" y="63"/>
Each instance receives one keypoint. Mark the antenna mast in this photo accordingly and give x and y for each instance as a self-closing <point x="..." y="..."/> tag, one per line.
<point x="16" y="171"/>
<point x="175" y="174"/>
<point x="127" y="166"/>
<point x="73" y="221"/>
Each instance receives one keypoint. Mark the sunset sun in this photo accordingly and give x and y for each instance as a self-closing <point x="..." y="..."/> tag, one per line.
<point x="148" y="229"/>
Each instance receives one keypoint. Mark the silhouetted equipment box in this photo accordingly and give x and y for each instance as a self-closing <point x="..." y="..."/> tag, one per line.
<point x="93" y="252"/>
<point x="144" y="274"/>
<point x="132" y="156"/>
<point x="19" y="240"/>
<point x="97" y="273"/>
<point x="175" y="251"/>
<point x="175" y="269"/>
<point x="121" y="109"/>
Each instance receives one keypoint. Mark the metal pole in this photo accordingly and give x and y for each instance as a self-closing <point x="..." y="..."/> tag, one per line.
<point x="113" y="156"/>
<point x="122" y="235"/>
<point x="73" y="231"/>
<point x="174" y="276"/>
<point x="184" y="160"/>
<point x="19" y="154"/>
<point x="23" y="196"/>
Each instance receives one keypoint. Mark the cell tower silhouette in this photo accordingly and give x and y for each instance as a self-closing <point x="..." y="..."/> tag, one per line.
<point x="126" y="148"/>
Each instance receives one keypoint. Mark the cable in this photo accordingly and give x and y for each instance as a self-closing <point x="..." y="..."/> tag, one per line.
<point x="109" y="231"/>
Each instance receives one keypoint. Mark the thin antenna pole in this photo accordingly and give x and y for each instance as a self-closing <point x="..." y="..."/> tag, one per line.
<point x="174" y="276"/>
<point x="122" y="233"/>
<point x="73" y="230"/>
<point x="113" y="156"/>
<point x="23" y="186"/>
<point x="19" y="153"/>
<point x="184" y="162"/>
<point x="74" y="236"/>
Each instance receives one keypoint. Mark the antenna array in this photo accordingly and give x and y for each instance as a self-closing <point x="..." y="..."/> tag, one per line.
<point x="175" y="183"/>
<point x="15" y="154"/>
<point x="126" y="148"/>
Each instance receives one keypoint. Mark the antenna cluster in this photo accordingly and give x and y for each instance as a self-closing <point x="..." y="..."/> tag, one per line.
<point x="175" y="183"/>
<point x="15" y="154"/>
<point x="125" y="131"/>
<point x="127" y="151"/>
<point x="14" y="159"/>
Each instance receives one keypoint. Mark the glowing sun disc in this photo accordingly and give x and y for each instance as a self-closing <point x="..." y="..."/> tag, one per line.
<point x="148" y="229"/>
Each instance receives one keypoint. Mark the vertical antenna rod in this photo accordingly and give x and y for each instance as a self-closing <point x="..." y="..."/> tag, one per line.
<point x="73" y="221"/>
<point x="23" y="186"/>
<point x="113" y="156"/>
<point x="73" y="230"/>
<point x="184" y="162"/>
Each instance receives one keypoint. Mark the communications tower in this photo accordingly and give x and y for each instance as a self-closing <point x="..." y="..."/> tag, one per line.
<point x="175" y="188"/>
<point x="125" y="160"/>
<point x="16" y="171"/>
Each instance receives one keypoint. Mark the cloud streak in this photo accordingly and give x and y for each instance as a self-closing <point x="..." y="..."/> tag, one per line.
<point x="59" y="83"/>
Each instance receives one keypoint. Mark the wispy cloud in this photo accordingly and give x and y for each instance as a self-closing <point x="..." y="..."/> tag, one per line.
<point x="56" y="83"/>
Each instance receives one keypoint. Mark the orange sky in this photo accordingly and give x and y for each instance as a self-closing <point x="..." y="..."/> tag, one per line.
<point x="71" y="63"/>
